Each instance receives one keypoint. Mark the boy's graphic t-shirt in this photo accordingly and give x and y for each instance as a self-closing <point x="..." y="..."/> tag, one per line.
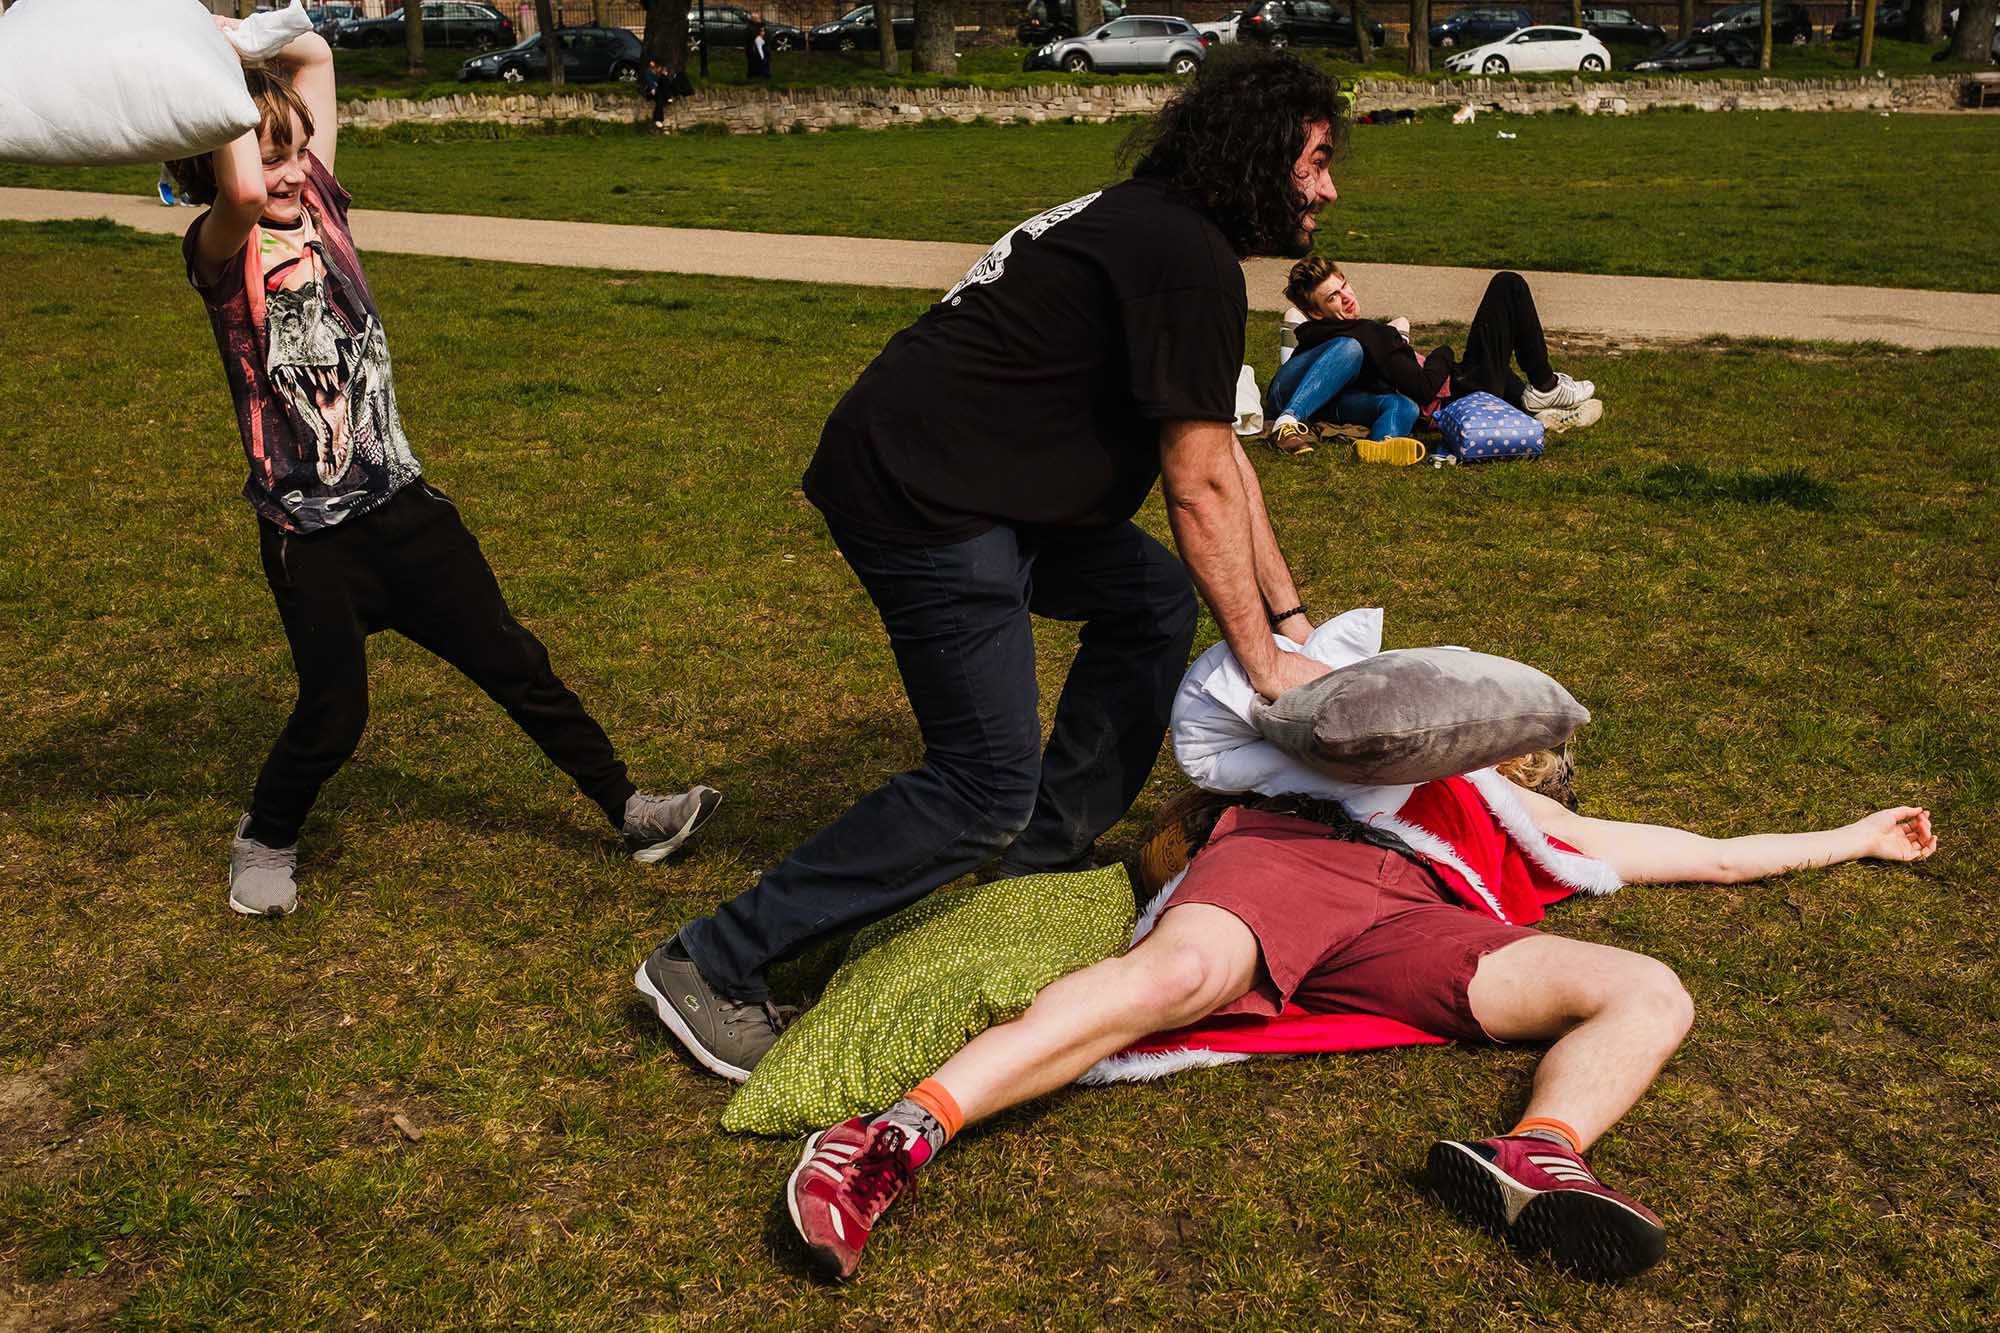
<point x="308" y="366"/>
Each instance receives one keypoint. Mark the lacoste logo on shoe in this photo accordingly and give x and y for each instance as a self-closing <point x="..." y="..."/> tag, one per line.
<point x="694" y="1005"/>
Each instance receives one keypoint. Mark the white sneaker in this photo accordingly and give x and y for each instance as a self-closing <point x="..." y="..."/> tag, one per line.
<point x="260" y="877"/>
<point x="1556" y="420"/>
<point x="1567" y="393"/>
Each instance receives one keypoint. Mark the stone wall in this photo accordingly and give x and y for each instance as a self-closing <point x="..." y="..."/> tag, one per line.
<point x="763" y="111"/>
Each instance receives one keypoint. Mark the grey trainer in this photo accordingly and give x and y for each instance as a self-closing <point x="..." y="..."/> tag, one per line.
<point x="260" y="877"/>
<point x="656" y="826"/>
<point x="725" y="1036"/>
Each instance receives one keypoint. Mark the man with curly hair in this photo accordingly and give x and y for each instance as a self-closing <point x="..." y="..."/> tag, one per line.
<point x="985" y="469"/>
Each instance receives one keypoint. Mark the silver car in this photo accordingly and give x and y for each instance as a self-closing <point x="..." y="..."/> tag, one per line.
<point x="1136" y="43"/>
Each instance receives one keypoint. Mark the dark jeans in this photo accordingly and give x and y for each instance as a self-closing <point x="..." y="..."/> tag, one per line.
<point x="1506" y="329"/>
<point x="412" y="567"/>
<point x="958" y="621"/>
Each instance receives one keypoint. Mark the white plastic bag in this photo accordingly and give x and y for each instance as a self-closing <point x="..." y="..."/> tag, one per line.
<point x="86" y="82"/>
<point x="1249" y="404"/>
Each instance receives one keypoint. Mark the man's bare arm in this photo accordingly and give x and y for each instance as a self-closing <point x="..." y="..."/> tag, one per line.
<point x="1274" y="575"/>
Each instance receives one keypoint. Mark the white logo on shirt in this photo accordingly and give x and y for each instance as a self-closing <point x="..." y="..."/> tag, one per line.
<point x="994" y="262"/>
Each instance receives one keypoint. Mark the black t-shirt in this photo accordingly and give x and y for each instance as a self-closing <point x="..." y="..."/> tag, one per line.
<point x="1032" y="393"/>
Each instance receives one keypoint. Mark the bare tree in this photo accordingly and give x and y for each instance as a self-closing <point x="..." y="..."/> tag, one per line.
<point x="1364" y="45"/>
<point x="1930" y="23"/>
<point x="666" y="37"/>
<point x="413" y="37"/>
<point x="1764" y="44"/>
<point x="1973" y="42"/>
<point x="885" y="23"/>
<point x="1687" y="18"/>
<point x="1088" y="13"/>
<point x="1866" y="55"/>
<point x="545" y="19"/>
<point x="937" y="36"/>
<point x="600" y="13"/>
<point x="1420" y="36"/>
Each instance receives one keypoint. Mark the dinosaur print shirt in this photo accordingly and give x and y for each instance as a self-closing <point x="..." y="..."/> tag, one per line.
<point x="308" y="365"/>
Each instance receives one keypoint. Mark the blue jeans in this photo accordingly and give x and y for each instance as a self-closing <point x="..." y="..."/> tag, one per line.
<point x="1313" y="383"/>
<point x="958" y="622"/>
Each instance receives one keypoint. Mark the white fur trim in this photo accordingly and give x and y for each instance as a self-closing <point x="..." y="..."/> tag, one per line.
<point x="1586" y="874"/>
<point x="1145" y="1066"/>
<point x="1151" y="916"/>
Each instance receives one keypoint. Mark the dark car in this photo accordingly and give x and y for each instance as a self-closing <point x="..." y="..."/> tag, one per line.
<point x="1476" y="27"/>
<point x="1052" y="21"/>
<point x="1622" y="25"/>
<point x="589" y="54"/>
<point x="1789" y="23"/>
<point x="329" y="19"/>
<point x="856" y="31"/>
<point x="728" y="28"/>
<point x="1690" y="53"/>
<point x="1301" y="23"/>
<point x="1891" y="20"/>
<point x="449" y="23"/>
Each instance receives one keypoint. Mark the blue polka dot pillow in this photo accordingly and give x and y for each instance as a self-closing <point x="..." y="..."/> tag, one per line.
<point x="920" y="984"/>
<point x="1480" y="428"/>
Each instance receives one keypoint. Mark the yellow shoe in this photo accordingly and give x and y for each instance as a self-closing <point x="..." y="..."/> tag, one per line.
<point x="1292" y="438"/>
<point x="1396" y="451"/>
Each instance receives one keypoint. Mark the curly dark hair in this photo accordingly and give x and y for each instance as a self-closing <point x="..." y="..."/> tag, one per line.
<point x="1229" y="143"/>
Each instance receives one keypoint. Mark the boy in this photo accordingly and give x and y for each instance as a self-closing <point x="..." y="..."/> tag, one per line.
<point x="354" y="540"/>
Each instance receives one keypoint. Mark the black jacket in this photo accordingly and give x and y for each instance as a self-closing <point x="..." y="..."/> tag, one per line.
<point x="1388" y="362"/>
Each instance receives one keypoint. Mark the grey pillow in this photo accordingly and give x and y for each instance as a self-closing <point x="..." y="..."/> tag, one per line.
<point x="1417" y="714"/>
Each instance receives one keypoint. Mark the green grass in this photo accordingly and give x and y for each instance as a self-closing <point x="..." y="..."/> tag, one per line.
<point x="1768" y="573"/>
<point x="1785" y="197"/>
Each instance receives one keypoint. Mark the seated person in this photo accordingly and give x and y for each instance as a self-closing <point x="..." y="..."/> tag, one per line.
<point x="1291" y="899"/>
<point x="1378" y="364"/>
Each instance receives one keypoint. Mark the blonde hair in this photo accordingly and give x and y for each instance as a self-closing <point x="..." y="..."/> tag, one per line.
<point x="277" y="102"/>
<point x="1305" y="278"/>
<point x="1548" y="772"/>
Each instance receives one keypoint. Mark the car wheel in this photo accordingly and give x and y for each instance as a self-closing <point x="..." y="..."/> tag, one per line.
<point x="625" y="72"/>
<point x="482" y="41"/>
<point x="1447" y="40"/>
<point x="513" y="73"/>
<point x="1495" y="65"/>
<point x="1801" y="38"/>
<point x="1076" y="62"/>
<point x="1593" y="65"/>
<point x="1279" y="41"/>
<point x="847" y="44"/>
<point x="378" y="38"/>
<point x="1185" y="65"/>
<point x="782" y="42"/>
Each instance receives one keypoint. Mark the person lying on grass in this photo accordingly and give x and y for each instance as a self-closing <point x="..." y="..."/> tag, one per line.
<point x="354" y="540"/>
<point x="1364" y="372"/>
<point x="1293" y="900"/>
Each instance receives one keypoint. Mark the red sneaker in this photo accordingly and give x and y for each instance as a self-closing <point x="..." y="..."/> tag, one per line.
<point x="845" y="1180"/>
<point x="1539" y="1195"/>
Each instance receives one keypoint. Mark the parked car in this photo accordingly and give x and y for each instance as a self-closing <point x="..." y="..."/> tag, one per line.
<point x="1223" y="30"/>
<point x="1301" y="22"/>
<point x="856" y="30"/>
<point x="448" y="23"/>
<point x="1534" y="51"/>
<point x="1052" y="20"/>
<point x="1789" y="23"/>
<point x="329" y="19"/>
<point x="588" y="54"/>
<point x="1134" y="44"/>
<point x="1621" y="25"/>
<point x="1891" y="20"/>
<point x="1691" y="53"/>
<point x="1475" y="27"/>
<point x="728" y="28"/>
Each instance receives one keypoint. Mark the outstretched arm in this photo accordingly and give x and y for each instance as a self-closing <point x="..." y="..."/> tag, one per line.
<point x="308" y="63"/>
<point x="1655" y="854"/>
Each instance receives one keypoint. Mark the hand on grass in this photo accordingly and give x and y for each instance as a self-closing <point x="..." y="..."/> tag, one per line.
<point x="1901" y="834"/>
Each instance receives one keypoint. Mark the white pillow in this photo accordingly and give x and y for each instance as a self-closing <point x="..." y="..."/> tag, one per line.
<point x="85" y="82"/>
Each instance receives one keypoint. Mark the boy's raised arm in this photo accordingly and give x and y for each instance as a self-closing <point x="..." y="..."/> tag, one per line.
<point x="239" y="202"/>
<point x="308" y="63"/>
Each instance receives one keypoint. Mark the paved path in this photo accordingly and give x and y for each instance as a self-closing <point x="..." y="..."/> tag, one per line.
<point x="1572" y="302"/>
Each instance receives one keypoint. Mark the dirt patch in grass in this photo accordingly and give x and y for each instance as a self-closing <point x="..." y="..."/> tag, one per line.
<point x="35" y="1139"/>
<point x="61" y="1307"/>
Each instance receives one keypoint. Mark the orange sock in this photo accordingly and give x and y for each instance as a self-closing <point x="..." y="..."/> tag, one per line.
<point x="934" y="1097"/>
<point x="1549" y="1125"/>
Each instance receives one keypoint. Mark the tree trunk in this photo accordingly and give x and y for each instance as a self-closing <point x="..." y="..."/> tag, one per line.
<point x="1973" y="42"/>
<point x="413" y="39"/>
<point x="1764" y="46"/>
<point x="545" y="20"/>
<point x="1576" y="13"/>
<point x="936" y="38"/>
<point x="1364" y="45"/>
<point x="666" y="38"/>
<point x="1930" y="23"/>
<point x="1687" y="18"/>
<point x="1088" y="14"/>
<point x="1420" y="36"/>
<point x="885" y="23"/>
<point x="600" y="13"/>
<point x="1866" y="54"/>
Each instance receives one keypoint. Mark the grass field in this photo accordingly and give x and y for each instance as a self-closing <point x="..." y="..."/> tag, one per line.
<point x="1781" y="197"/>
<point x="431" y="1099"/>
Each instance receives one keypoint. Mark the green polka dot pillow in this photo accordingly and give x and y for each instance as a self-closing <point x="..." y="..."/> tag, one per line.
<point x="920" y="984"/>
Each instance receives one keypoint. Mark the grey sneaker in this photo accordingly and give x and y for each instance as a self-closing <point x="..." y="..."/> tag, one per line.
<point x="260" y="877"/>
<point x="725" y="1036"/>
<point x="1566" y="393"/>
<point x="656" y="826"/>
<point x="1556" y="420"/>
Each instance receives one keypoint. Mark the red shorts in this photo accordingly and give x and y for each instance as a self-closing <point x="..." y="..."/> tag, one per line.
<point x="1343" y="927"/>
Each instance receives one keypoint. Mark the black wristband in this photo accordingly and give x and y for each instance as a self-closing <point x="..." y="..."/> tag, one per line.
<point x="1280" y="617"/>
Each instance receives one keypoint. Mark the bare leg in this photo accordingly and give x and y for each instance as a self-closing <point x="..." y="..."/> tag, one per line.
<point x="1616" y="1017"/>
<point x="1197" y="959"/>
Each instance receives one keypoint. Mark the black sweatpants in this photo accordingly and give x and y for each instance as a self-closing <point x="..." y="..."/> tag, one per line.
<point x="1507" y="329"/>
<point x="410" y="566"/>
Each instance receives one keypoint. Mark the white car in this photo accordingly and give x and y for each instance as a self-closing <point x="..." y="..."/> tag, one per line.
<point x="1534" y="51"/>
<point x="1223" y="29"/>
